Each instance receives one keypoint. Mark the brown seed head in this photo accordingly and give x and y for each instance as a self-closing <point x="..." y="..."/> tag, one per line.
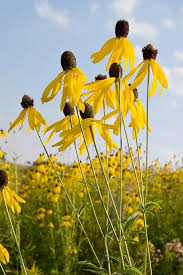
<point x="27" y="101"/>
<point x="3" y="179"/>
<point x="68" y="60"/>
<point x="149" y="52"/>
<point x="135" y="92"/>
<point x="88" y="113"/>
<point x="122" y="28"/>
<point x="115" y="70"/>
<point x="100" y="77"/>
<point x="68" y="110"/>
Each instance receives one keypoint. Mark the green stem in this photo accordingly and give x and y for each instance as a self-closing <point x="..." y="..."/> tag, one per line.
<point x="108" y="202"/>
<point x="86" y="185"/>
<point x="146" y="183"/>
<point x="68" y="197"/>
<point x="95" y="178"/>
<point x="13" y="231"/>
<point x="4" y="273"/>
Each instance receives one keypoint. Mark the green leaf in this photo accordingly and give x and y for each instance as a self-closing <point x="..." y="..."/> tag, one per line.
<point x="150" y="204"/>
<point x="132" y="271"/>
<point x="82" y="208"/>
<point x="130" y="221"/>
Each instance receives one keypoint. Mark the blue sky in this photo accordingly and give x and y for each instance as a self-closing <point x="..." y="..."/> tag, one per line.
<point x="35" y="33"/>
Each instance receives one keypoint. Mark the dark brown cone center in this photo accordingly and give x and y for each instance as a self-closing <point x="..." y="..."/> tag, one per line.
<point x="68" y="110"/>
<point x="3" y="179"/>
<point x="68" y="60"/>
<point x="135" y="92"/>
<point x="27" y="101"/>
<point x="115" y="70"/>
<point x="88" y="113"/>
<point x="100" y="77"/>
<point x="149" y="52"/>
<point x="122" y="28"/>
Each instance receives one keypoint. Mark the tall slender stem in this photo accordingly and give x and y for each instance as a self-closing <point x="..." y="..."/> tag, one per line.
<point x="146" y="182"/>
<point x="86" y="185"/>
<point x="108" y="203"/>
<point x="69" y="199"/>
<point x="4" y="273"/>
<point x="95" y="178"/>
<point x="14" y="234"/>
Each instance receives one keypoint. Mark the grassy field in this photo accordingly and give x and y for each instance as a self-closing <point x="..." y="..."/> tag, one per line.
<point x="50" y="237"/>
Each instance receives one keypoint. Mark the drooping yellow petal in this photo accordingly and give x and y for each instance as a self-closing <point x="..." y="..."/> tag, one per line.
<point x="104" y="51"/>
<point x="99" y="84"/>
<point x="81" y="105"/>
<point x="19" y="119"/>
<point x="31" y="118"/>
<point x="158" y="73"/>
<point x="39" y="117"/>
<point x="53" y="87"/>
<point x="153" y="87"/>
<point x="131" y="73"/>
<point x="4" y="255"/>
<point x="140" y="76"/>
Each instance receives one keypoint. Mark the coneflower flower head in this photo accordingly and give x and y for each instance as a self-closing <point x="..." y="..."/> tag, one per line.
<point x="68" y="109"/>
<point x="149" y="52"/>
<point x="88" y="113"/>
<point x="3" y="179"/>
<point x="68" y="61"/>
<point x="100" y="77"/>
<point x="35" y="119"/>
<point x="27" y="101"/>
<point x="149" y="55"/>
<point x="122" y="28"/>
<point x="115" y="70"/>
<point x="73" y="81"/>
<point x="119" y="47"/>
<point x="135" y="92"/>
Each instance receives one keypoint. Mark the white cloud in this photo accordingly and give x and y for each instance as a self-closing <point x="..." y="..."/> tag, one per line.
<point x="45" y="10"/>
<point x="94" y="7"/>
<point x="175" y="79"/>
<point x="124" y="7"/>
<point x="138" y="54"/>
<point x="143" y="30"/>
<point x="178" y="55"/>
<point x="168" y="23"/>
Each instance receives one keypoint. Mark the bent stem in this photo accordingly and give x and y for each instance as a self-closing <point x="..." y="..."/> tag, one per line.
<point x="69" y="199"/>
<point x="4" y="273"/>
<point x="14" y="234"/>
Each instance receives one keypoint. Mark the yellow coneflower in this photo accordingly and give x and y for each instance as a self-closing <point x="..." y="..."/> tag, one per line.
<point x="100" y="90"/>
<point x="127" y="104"/>
<point x="4" y="255"/>
<point x="149" y="55"/>
<point x="35" y="119"/>
<point x="120" y="47"/>
<point x="138" y="119"/>
<point x="3" y="134"/>
<point x="10" y="196"/>
<point x="69" y="136"/>
<point x="63" y="124"/>
<point x="74" y="80"/>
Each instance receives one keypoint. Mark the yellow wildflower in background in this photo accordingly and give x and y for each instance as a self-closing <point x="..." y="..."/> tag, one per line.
<point x="10" y="196"/>
<point x="35" y="119"/>
<point x="4" y="255"/>
<point x="149" y="55"/>
<point x="67" y="221"/>
<point x="120" y="47"/>
<point x="74" y="80"/>
<point x="3" y="134"/>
